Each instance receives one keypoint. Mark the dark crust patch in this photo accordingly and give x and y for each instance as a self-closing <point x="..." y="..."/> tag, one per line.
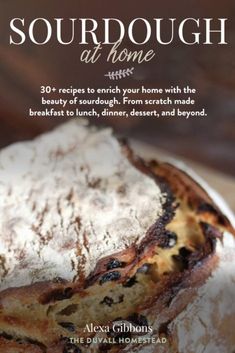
<point x="192" y="192"/>
<point x="189" y="259"/>
<point x="200" y="263"/>
<point x="210" y="231"/>
<point x="164" y="329"/>
<point x="26" y="342"/>
<point x="71" y="348"/>
<point x="154" y="236"/>
<point x="57" y="295"/>
<point x="115" y="263"/>
<point x="138" y="320"/>
<point x="168" y="240"/>
<point x="69" y="326"/>
<point x="110" y="276"/>
<point x="130" y="282"/>
<point x="109" y="301"/>
<point x="157" y="234"/>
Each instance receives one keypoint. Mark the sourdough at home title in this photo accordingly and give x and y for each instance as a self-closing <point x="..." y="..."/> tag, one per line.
<point x="112" y="31"/>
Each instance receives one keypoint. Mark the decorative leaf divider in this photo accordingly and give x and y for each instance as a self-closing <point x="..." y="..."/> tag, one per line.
<point x="119" y="74"/>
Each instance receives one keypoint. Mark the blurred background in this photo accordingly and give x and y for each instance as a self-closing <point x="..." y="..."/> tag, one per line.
<point x="210" y="69"/>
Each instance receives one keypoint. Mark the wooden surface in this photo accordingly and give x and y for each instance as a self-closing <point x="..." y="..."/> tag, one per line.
<point x="222" y="183"/>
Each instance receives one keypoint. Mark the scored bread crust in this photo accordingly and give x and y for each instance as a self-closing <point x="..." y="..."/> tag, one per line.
<point x="168" y="299"/>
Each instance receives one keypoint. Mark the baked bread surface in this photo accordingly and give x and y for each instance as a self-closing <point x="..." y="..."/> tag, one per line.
<point x="92" y="234"/>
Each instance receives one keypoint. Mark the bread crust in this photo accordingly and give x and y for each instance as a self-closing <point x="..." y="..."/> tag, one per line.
<point x="171" y="296"/>
<point x="11" y="346"/>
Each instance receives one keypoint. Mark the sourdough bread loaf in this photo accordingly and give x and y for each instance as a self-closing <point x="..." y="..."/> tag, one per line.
<point x="93" y="236"/>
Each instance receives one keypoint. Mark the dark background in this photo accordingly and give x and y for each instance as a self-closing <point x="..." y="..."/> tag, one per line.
<point x="210" y="69"/>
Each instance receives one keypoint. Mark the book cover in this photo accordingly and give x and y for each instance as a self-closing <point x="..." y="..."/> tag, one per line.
<point x="117" y="177"/>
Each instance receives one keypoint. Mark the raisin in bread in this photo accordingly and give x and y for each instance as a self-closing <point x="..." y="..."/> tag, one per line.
<point x="93" y="236"/>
